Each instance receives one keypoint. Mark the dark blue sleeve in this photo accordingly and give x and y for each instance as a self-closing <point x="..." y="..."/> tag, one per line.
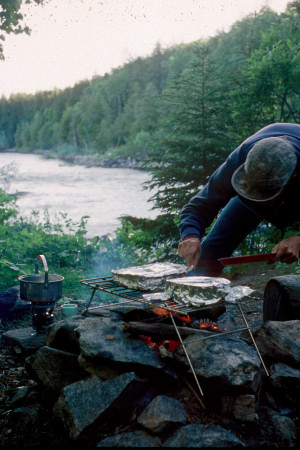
<point x="201" y="210"/>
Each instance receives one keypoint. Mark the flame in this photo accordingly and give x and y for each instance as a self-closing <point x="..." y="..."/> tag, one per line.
<point x="170" y="345"/>
<point x="160" y="312"/>
<point x="206" y="323"/>
<point x="163" y="312"/>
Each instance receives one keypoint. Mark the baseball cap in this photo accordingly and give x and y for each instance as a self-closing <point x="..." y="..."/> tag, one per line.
<point x="268" y="167"/>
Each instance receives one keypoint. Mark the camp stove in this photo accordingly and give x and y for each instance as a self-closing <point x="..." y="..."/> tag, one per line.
<point x="131" y="296"/>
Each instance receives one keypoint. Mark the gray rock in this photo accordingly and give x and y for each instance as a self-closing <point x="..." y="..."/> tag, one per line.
<point x="199" y="435"/>
<point x="25" y="339"/>
<point x="53" y="368"/>
<point x="226" y="360"/>
<point x="22" y="396"/>
<point x="280" y="429"/>
<point x="162" y="414"/>
<point x="135" y="438"/>
<point x="285" y="380"/>
<point x="81" y="404"/>
<point x="280" y="341"/>
<point x="24" y="416"/>
<point x="61" y="334"/>
<point x="8" y="299"/>
<point x="102" y="342"/>
<point x="241" y="407"/>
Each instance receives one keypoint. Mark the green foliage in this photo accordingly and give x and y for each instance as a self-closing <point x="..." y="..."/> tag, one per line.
<point x="63" y="242"/>
<point x="11" y="18"/>
<point x="181" y="110"/>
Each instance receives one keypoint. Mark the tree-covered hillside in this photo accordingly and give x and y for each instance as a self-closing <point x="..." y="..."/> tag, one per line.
<point x="182" y="110"/>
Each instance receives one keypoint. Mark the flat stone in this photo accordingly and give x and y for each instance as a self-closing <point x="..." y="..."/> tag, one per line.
<point x="225" y="362"/>
<point x="25" y="338"/>
<point x="54" y="369"/>
<point x="81" y="404"/>
<point x="103" y="342"/>
<point x="280" y="341"/>
<point x="137" y="438"/>
<point x="200" y="435"/>
<point x="162" y="414"/>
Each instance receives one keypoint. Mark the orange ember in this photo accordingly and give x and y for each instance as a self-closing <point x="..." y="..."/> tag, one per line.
<point x="163" y="312"/>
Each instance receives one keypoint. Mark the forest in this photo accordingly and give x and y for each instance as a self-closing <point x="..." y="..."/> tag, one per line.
<point x="181" y="111"/>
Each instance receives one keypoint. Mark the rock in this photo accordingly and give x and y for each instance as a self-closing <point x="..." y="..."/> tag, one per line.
<point x="280" y="429"/>
<point x="241" y="407"/>
<point x="135" y="438"/>
<point x="285" y="380"/>
<point x="54" y="369"/>
<point x="23" y="396"/>
<point x="280" y="341"/>
<point x="25" y="338"/>
<point x="61" y="335"/>
<point x="23" y="416"/>
<point x="103" y="343"/>
<point x="8" y="299"/>
<point x="225" y="362"/>
<point x="88" y="400"/>
<point x="200" y="435"/>
<point x="162" y="414"/>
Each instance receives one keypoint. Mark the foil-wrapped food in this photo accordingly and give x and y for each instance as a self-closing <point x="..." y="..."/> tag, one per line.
<point x="149" y="277"/>
<point x="197" y="291"/>
<point x="200" y="291"/>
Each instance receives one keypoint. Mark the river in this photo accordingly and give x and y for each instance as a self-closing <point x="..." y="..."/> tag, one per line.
<point x="52" y="185"/>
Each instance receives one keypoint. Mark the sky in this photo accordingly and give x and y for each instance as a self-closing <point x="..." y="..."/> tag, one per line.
<point x="74" y="40"/>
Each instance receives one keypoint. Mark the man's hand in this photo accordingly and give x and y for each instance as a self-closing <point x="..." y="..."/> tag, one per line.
<point x="190" y="249"/>
<point x="287" y="250"/>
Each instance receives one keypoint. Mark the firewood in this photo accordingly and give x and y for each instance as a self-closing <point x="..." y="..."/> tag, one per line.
<point x="162" y="330"/>
<point x="282" y="298"/>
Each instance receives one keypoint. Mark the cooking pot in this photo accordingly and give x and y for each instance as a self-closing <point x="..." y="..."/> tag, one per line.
<point x="41" y="288"/>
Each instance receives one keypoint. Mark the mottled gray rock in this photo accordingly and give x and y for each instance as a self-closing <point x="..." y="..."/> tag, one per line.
<point x="24" y="416"/>
<point x="280" y="341"/>
<point x="53" y="368"/>
<point x="280" y="429"/>
<point x="102" y="342"/>
<point x="226" y="360"/>
<point x="199" y="435"/>
<point x="22" y="396"/>
<point x="137" y="438"/>
<point x="8" y="299"/>
<point x="241" y="407"/>
<point x="285" y="380"/>
<point x="81" y="404"/>
<point x="25" y="339"/>
<point x="61" y="334"/>
<point x="162" y="414"/>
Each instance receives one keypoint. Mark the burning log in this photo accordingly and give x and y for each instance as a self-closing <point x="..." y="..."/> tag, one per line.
<point x="282" y="298"/>
<point x="161" y="330"/>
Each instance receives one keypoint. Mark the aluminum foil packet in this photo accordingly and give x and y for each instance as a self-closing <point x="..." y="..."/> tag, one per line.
<point x="235" y="293"/>
<point x="204" y="291"/>
<point x="149" y="277"/>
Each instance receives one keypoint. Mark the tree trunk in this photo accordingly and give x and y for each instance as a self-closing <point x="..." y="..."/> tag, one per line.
<point x="282" y="298"/>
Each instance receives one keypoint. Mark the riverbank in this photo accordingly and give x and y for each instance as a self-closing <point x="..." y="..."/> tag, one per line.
<point x="92" y="160"/>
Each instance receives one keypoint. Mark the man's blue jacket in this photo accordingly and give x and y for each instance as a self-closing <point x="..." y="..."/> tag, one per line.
<point x="201" y="210"/>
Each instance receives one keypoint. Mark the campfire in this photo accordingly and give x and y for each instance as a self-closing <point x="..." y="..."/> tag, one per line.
<point x="170" y="321"/>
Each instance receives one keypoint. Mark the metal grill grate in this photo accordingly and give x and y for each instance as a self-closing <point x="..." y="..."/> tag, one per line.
<point x="107" y="284"/>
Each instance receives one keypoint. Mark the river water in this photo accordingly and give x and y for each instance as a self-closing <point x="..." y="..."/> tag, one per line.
<point x="54" y="186"/>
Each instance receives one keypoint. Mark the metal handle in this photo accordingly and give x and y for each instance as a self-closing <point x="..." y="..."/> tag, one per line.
<point x="43" y="260"/>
